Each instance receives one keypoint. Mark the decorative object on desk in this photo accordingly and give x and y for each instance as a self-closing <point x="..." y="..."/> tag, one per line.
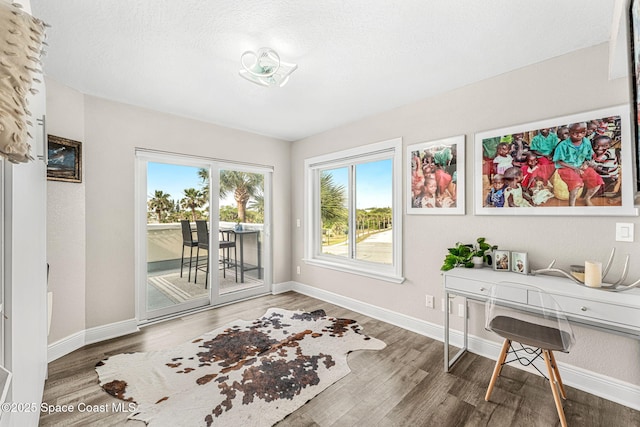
<point x="514" y="167"/>
<point x="519" y="262"/>
<point x="501" y="260"/>
<point x="238" y="226"/>
<point x="65" y="159"/>
<point x="435" y="183"/>
<point x="247" y="373"/>
<point x="613" y="287"/>
<point x="478" y="261"/>
<point x="577" y="271"/>
<point x="463" y="253"/>
<point x="593" y="274"/>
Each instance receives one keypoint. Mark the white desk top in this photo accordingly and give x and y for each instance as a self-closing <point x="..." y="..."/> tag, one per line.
<point x="556" y="285"/>
<point x="617" y="312"/>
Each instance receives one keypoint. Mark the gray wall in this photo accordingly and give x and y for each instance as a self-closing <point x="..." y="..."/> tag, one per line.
<point x="565" y="85"/>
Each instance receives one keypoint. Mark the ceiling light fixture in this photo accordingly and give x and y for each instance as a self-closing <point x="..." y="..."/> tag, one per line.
<point x="265" y="68"/>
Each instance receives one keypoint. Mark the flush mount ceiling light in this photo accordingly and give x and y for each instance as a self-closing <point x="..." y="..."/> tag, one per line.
<point x="265" y="68"/>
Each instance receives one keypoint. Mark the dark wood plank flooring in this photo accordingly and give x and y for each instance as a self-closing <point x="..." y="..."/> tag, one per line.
<point x="402" y="385"/>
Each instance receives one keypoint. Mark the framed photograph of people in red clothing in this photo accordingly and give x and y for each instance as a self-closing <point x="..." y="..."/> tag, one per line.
<point x="580" y="164"/>
<point x="435" y="179"/>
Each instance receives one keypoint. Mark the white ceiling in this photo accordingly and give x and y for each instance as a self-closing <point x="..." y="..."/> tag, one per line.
<point x="355" y="57"/>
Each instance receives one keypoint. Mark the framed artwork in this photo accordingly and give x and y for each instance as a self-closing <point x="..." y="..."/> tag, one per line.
<point x="435" y="178"/>
<point x="519" y="262"/>
<point x="64" y="159"/>
<point x="635" y="58"/>
<point x="501" y="260"/>
<point x="580" y="164"/>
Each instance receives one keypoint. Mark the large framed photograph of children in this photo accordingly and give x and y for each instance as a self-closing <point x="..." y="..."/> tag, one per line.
<point x="580" y="164"/>
<point x="435" y="179"/>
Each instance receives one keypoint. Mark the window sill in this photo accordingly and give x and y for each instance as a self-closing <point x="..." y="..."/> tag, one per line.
<point x="353" y="269"/>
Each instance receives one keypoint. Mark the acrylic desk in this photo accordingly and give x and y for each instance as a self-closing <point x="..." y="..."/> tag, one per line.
<point x="614" y="312"/>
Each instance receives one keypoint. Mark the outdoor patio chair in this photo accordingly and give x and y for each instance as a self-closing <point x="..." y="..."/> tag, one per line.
<point x="202" y="232"/>
<point x="187" y="242"/>
<point x="226" y="244"/>
<point x="539" y="331"/>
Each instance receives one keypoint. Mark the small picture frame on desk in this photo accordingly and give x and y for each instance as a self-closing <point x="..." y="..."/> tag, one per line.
<point x="519" y="262"/>
<point x="501" y="261"/>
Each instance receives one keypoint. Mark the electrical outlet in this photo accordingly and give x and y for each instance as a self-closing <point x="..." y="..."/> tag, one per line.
<point x="298" y="269"/>
<point x="429" y="301"/>
<point x="460" y="310"/>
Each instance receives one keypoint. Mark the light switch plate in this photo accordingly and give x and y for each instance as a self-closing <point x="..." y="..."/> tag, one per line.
<point x="624" y="232"/>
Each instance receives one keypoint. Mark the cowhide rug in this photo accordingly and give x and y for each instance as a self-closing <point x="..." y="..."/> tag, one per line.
<point x="251" y="373"/>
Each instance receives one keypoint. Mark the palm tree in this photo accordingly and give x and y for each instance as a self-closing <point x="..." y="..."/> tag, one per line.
<point x="203" y="174"/>
<point x="332" y="201"/>
<point x="193" y="199"/>
<point x="244" y="187"/>
<point x="160" y="203"/>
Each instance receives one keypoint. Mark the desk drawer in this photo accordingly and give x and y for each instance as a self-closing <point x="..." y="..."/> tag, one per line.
<point x="602" y="312"/>
<point x="467" y="286"/>
<point x="483" y="289"/>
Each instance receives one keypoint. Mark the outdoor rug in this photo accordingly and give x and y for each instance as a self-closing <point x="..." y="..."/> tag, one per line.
<point x="251" y="373"/>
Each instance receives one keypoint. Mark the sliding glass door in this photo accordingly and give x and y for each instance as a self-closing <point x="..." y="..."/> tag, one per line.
<point x="202" y="233"/>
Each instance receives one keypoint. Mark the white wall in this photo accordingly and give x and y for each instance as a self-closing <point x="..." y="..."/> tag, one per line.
<point x="66" y="219"/>
<point x="112" y="132"/>
<point x="565" y="85"/>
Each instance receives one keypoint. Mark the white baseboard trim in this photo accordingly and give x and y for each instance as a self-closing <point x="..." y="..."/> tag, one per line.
<point x="599" y="385"/>
<point x="89" y="336"/>
<point x="65" y="346"/>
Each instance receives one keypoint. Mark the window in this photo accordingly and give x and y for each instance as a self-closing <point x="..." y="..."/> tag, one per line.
<point x="354" y="210"/>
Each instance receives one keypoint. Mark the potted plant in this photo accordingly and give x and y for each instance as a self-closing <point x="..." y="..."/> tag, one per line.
<point x="463" y="254"/>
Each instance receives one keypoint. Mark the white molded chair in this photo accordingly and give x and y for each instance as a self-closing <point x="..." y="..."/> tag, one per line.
<point x="539" y="332"/>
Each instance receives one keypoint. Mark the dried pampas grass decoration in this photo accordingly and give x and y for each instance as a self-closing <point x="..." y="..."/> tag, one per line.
<point x="21" y="39"/>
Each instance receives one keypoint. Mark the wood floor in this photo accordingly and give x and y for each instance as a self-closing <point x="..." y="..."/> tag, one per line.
<point x="402" y="385"/>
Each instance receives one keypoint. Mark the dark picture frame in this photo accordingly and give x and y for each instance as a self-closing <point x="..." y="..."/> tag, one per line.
<point x="64" y="159"/>
<point x="614" y="197"/>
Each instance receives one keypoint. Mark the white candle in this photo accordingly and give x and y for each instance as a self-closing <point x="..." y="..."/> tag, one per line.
<point x="593" y="273"/>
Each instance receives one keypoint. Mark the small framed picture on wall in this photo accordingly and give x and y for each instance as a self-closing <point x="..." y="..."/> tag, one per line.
<point x="519" y="262"/>
<point x="501" y="261"/>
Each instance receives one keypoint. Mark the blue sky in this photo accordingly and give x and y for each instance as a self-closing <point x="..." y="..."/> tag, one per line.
<point x="373" y="182"/>
<point x="172" y="179"/>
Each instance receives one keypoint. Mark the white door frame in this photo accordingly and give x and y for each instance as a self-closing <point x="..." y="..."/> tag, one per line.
<point x="214" y="166"/>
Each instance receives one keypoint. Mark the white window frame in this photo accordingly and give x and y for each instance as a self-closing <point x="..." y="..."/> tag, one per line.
<point x="390" y="149"/>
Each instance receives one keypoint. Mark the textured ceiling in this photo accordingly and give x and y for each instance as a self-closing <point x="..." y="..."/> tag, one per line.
<point x="355" y="58"/>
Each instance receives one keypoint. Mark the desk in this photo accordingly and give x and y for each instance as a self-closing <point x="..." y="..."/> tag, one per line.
<point x="240" y="240"/>
<point x="614" y="312"/>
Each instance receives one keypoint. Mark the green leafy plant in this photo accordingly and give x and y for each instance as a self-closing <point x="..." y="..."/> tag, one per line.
<point x="462" y="253"/>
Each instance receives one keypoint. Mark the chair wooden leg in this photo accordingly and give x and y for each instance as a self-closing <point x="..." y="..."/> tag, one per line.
<point x="563" y="393"/>
<point x="554" y="389"/>
<point x="496" y="371"/>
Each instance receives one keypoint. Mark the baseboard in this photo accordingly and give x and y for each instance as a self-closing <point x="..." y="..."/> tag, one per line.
<point x="112" y="330"/>
<point x="599" y="385"/>
<point x="89" y="336"/>
<point x="65" y="346"/>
